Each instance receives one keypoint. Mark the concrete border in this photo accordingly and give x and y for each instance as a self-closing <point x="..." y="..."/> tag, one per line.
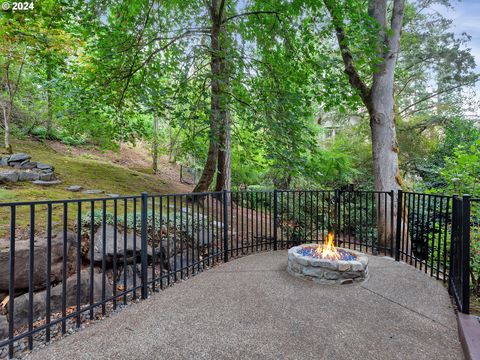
<point x="469" y="332"/>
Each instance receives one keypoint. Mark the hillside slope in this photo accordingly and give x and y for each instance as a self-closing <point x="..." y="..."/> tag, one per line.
<point x="126" y="172"/>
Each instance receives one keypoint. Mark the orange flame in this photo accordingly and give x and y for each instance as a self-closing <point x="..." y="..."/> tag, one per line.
<point x="328" y="250"/>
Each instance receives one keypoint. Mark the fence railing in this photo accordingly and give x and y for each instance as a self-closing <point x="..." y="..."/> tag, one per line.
<point x="459" y="274"/>
<point x="74" y="260"/>
<point x="360" y="219"/>
<point x="424" y="231"/>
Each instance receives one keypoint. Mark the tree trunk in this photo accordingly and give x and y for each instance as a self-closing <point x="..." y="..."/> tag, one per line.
<point x="209" y="168"/>
<point x="155" y="143"/>
<point x="224" y="165"/>
<point x="49" y="97"/>
<point x="219" y="117"/>
<point x="6" y="125"/>
<point x="380" y="105"/>
<point x="7" y="107"/>
<point x="379" y="101"/>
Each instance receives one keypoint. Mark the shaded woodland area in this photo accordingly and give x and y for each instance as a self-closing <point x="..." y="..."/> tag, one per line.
<point x="248" y="92"/>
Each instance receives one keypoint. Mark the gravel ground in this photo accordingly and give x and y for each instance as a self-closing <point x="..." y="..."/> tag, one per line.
<point x="251" y="308"/>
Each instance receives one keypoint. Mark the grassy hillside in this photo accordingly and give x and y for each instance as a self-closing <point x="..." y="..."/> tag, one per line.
<point x="127" y="172"/>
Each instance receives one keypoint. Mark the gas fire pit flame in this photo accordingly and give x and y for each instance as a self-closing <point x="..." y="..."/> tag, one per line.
<point x="328" y="250"/>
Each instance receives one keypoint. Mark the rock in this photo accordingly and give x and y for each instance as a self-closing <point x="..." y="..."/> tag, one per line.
<point x="131" y="273"/>
<point x="8" y="176"/>
<point x="20" y="157"/>
<point x="352" y="274"/>
<point x="325" y="263"/>
<point x="49" y="176"/>
<point x="4" y="161"/>
<point x="28" y="165"/>
<point x="92" y="191"/>
<point x="15" y="165"/>
<point x="40" y="257"/>
<point x="344" y="265"/>
<point x="203" y="237"/>
<point x="44" y="166"/>
<point x="356" y="266"/>
<point x="46" y="183"/>
<point x="183" y="260"/>
<point x="168" y="248"/>
<point x="21" y="302"/>
<point x="74" y="188"/>
<point x="113" y="195"/>
<point x="3" y="327"/>
<point x="109" y="244"/>
<point x="295" y="267"/>
<point x="346" y="281"/>
<point x="28" y="176"/>
<point x="313" y="271"/>
<point x="331" y="275"/>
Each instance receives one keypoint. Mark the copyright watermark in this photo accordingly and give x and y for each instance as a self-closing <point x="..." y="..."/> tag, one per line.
<point x="17" y="6"/>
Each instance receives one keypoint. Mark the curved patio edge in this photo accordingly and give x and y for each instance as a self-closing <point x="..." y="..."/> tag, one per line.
<point x="252" y="308"/>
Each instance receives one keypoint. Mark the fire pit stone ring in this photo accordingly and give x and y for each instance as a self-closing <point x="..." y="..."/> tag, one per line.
<point x="304" y="263"/>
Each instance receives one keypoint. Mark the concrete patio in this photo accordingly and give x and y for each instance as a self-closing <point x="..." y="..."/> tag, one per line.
<point x="251" y="308"/>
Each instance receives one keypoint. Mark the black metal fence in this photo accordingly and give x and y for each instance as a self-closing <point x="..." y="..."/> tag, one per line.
<point x="434" y="234"/>
<point x="71" y="261"/>
<point x="458" y="284"/>
<point x="424" y="231"/>
<point x="360" y="219"/>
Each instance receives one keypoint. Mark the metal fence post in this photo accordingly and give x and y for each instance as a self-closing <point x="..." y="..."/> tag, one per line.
<point x="398" y="230"/>
<point x="11" y="282"/>
<point x="337" y="210"/>
<point x="275" y="209"/>
<point x="453" y="243"/>
<point x="465" y="251"/>
<point x="144" y="244"/>
<point x="225" y="225"/>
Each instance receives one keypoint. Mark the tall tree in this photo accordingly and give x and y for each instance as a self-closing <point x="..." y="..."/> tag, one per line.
<point x="218" y="156"/>
<point x="378" y="97"/>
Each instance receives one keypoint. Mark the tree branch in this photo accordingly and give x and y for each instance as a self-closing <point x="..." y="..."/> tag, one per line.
<point x="139" y="39"/>
<point x="396" y="25"/>
<point x="425" y="98"/>
<point x="350" y="69"/>
<point x="249" y="13"/>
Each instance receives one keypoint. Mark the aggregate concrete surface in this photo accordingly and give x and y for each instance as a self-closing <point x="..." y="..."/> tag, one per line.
<point x="251" y="308"/>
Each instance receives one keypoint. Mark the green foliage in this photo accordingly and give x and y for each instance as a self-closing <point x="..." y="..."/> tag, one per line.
<point x="462" y="170"/>
<point x="98" y="72"/>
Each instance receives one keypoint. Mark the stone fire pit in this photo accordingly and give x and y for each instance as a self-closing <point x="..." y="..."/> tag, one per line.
<point x="304" y="262"/>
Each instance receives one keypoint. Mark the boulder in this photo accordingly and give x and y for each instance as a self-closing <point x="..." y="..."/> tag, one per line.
<point x="28" y="165"/>
<point x="46" y="183"/>
<point x="183" y="260"/>
<point x="3" y="327"/>
<point x="74" y="188"/>
<point x="121" y="249"/>
<point x="40" y="257"/>
<point x="168" y="247"/>
<point x="8" y="176"/>
<point x="49" y="176"/>
<point x="20" y="157"/>
<point x="15" y="165"/>
<point x="28" y="176"/>
<point x="92" y="191"/>
<point x="4" y="161"/>
<point x="44" y="166"/>
<point x="21" y="303"/>
<point x="131" y="273"/>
